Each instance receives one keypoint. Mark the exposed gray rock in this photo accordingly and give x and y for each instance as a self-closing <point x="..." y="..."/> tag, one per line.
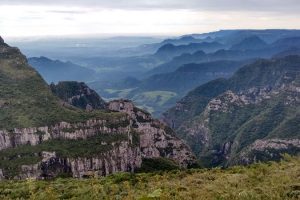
<point x="156" y="139"/>
<point x="62" y="130"/>
<point x="269" y="148"/>
<point x="1" y="175"/>
<point x="122" y="158"/>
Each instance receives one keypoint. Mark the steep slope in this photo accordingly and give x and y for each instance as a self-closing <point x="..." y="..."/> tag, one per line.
<point x="42" y="138"/>
<point x="252" y="116"/>
<point x="78" y="95"/>
<point x="55" y="70"/>
<point x="25" y="99"/>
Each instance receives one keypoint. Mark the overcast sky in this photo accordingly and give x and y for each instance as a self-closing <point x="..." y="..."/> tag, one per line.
<point x="20" y="18"/>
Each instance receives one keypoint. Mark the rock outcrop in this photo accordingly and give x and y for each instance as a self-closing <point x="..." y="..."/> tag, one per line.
<point x="78" y="94"/>
<point x="156" y="139"/>
<point x="63" y="130"/>
<point x="121" y="158"/>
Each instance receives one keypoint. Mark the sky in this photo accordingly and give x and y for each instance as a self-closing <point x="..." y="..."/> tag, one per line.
<point x="28" y="18"/>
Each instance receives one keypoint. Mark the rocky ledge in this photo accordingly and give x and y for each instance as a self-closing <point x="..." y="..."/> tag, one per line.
<point x="154" y="140"/>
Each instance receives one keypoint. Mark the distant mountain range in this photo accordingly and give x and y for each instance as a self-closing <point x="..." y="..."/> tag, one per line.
<point x="55" y="70"/>
<point x="169" y="50"/>
<point x="160" y="91"/>
<point x="249" y="48"/>
<point x="150" y="77"/>
<point x="161" y="86"/>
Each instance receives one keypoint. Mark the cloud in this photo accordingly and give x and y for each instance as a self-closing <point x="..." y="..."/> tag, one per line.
<point x="162" y="17"/>
<point x="66" y="11"/>
<point x="220" y="5"/>
<point x="21" y="21"/>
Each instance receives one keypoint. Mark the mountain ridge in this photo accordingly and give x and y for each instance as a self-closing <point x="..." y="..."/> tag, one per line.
<point x="243" y="120"/>
<point x="56" y="70"/>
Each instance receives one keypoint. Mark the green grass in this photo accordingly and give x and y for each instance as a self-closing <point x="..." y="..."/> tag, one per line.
<point x="154" y="97"/>
<point x="154" y="101"/>
<point x="266" y="181"/>
<point x="119" y="93"/>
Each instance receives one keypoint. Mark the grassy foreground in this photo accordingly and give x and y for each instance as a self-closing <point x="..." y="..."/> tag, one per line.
<point x="258" y="181"/>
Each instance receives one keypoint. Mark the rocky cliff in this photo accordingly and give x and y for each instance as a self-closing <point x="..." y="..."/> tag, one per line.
<point x="156" y="139"/>
<point x="131" y="138"/>
<point x="40" y="137"/>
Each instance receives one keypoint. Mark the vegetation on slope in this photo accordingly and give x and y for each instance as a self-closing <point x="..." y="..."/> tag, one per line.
<point x="227" y="134"/>
<point x="262" y="73"/>
<point x="258" y="181"/>
<point x="78" y="94"/>
<point x="25" y="98"/>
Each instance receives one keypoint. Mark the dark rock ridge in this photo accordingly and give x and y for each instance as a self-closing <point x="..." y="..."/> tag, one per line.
<point x="253" y="116"/>
<point x="78" y="94"/>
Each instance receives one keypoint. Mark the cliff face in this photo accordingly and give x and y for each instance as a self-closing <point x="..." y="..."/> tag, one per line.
<point x="156" y="139"/>
<point x="253" y="116"/>
<point x="63" y="130"/>
<point x="121" y="158"/>
<point x="120" y="154"/>
<point x="42" y="138"/>
<point x="137" y="136"/>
